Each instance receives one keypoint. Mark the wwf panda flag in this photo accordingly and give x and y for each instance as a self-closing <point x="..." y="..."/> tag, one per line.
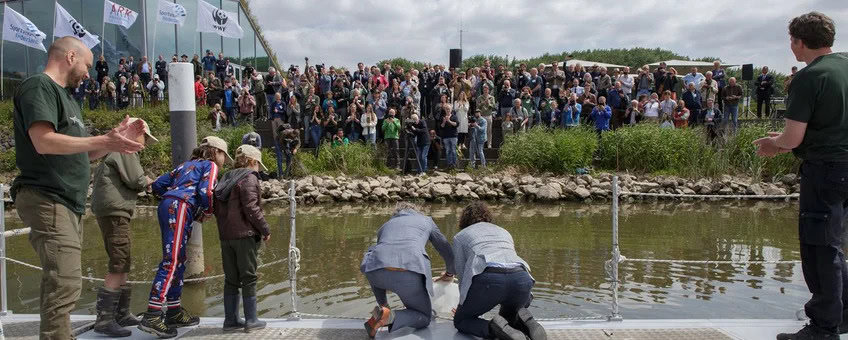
<point x="215" y="20"/>
<point x="66" y="25"/>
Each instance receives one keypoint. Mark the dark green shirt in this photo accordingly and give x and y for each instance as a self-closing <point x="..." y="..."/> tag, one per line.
<point x="819" y="97"/>
<point x="63" y="178"/>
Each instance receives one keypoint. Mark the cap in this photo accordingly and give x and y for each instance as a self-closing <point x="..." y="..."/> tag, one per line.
<point x="150" y="138"/>
<point x="217" y="143"/>
<point x="251" y="152"/>
<point x="155" y="76"/>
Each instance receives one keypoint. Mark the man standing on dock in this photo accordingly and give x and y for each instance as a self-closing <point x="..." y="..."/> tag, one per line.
<point x="54" y="153"/>
<point x="817" y="132"/>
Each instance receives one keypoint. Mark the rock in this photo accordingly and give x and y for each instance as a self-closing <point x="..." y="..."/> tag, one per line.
<point x="331" y="184"/>
<point x="726" y="191"/>
<point x="789" y="179"/>
<point x="527" y="179"/>
<point x="687" y="191"/>
<point x="463" y="177"/>
<point x="548" y="193"/>
<point x="647" y="185"/>
<point x="508" y="183"/>
<point x="772" y="189"/>
<point x="441" y="190"/>
<point x="380" y="192"/>
<point x="317" y="181"/>
<point x="364" y="186"/>
<point x="323" y="198"/>
<point x="346" y="195"/>
<point x="756" y="189"/>
<point x="582" y="192"/>
<point x="529" y="189"/>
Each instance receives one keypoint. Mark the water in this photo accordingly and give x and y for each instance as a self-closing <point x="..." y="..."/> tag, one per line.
<point x="566" y="246"/>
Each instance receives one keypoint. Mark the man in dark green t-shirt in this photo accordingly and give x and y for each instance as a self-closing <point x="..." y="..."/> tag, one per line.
<point x="53" y="153"/>
<point x="817" y="132"/>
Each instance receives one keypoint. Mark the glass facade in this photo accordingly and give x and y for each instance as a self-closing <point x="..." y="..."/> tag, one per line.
<point x="146" y="37"/>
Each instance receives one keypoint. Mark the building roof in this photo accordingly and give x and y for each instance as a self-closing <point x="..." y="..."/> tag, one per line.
<point x="688" y="63"/>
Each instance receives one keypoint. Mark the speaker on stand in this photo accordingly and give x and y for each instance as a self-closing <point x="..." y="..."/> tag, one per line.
<point x="747" y="77"/>
<point x="456" y="58"/>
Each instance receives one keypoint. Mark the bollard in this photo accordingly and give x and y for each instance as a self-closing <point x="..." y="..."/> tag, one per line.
<point x="616" y="253"/>
<point x="183" y="119"/>
<point x="294" y="254"/>
<point x="4" y="307"/>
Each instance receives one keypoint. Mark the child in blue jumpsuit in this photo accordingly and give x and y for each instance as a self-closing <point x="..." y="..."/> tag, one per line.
<point x="187" y="195"/>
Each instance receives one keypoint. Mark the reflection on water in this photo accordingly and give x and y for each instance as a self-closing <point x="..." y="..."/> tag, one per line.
<point x="566" y="246"/>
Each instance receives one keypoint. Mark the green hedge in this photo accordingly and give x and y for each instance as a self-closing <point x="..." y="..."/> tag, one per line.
<point x="559" y="151"/>
<point x="356" y="159"/>
<point x="651" y="149"/>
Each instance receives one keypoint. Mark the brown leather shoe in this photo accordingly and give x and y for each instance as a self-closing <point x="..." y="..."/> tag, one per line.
<point x="379" y="318"/>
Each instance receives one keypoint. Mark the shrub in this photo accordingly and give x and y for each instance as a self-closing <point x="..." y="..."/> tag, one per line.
<point x="559" y="151"/>
<point x="741" y="152"/>
<point x="651" y="149"/>
<point x="7" y="161"/>
<point x="356" y="160"/>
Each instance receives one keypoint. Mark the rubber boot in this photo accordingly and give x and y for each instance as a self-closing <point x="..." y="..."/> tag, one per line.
<point x="107" y="301"/>
<point x="250" y="320"/>
<point x="153" y="322"/>
<point x="525" y="322"/>
<point x="122" y="314"/>
<point x="500" y="329"/>
<point x="232" y="321"/>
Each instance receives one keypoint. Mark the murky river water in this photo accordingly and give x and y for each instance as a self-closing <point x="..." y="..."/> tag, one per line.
<point x="566" y="246"/>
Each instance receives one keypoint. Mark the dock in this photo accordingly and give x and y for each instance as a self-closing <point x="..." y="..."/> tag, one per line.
<point x="25" y="327"/>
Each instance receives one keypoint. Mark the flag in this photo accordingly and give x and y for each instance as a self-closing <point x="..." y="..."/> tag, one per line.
<point x="17" y="28"/>
<point x="215" y="20"/>
<point x="66" y="25"/>
<point x="171" y="13"/>
<point x="117" y="14"/>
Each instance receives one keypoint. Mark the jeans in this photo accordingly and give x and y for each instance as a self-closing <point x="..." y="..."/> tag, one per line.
<point x="278" y="150"/>
<point x="315" y="132"/>
<point x="477" y="152"/>
<point x="353" y="136"/>
<point x="269" y="101"/>
<point x="731" y="115"/>
<point x="410" y="288"/>
<point x="823" y="205"/>
<point x="509" y="290"/>
<point x="450" y="150"/>
<point x="392" y="146"/>
<point x="371" y="139"/>
<point x="489" y="128"/>
<point x="231" y="115"/>
<point x="421" y="154"/>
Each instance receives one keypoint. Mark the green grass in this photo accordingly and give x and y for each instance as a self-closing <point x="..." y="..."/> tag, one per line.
<point x="558" y="151"/>
<point x="356" y="160"/>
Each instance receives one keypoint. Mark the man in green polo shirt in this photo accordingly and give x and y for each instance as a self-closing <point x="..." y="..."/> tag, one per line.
<point x="817" y="132"/>
<point x="53" y="154"/>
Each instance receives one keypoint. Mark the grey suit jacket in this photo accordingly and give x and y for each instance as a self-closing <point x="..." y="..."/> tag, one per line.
<point x="401" y="243"/>
<point x="478" y="245"/>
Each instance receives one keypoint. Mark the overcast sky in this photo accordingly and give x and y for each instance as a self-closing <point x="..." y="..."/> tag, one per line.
<point x="343" y="32"/>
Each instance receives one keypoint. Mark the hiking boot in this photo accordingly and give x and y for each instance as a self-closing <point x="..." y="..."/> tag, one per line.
<point x="500" y="329"/>
<point x="843" y="327"/>
<point x="525" y="323"/>
<point x="809" y="332"/>
<point x="122" y="313"/>
<point x="379" y="318"/>
<point x="153" y="322"/>
<point x="179" y="317"/>
<point x="232" y="322"/>
<point x="250" y="320"/>
<point x="105" y="324"/>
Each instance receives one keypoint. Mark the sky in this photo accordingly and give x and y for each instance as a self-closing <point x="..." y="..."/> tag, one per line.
<point x="344" y="32"/>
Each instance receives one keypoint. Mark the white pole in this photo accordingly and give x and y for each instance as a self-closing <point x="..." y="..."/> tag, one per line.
<point x="144" y="27"/>
<point x="4" y="307"/>
<point x="616" y="254"/>
<point x="102" y="35"/>
<point x="153" y="52"/>
<point x="3" y="96"/>
<point x="55" y="8"/>
<point x="294" y="255"/>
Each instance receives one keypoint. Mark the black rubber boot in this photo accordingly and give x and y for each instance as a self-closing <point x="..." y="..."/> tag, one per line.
<point x="250" y="320"/>
<point x="153" y="322"/>
<point x="500" y="329"/>
<point x="232" y="322"/>
<point x="843" y="327"/>
<point x="809" y="332"/>
<point x="106" y="303"/>
<point x="529" y="326"/>
<point x="122" y="314"/>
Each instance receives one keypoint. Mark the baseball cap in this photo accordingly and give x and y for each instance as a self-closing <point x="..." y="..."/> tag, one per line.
<point x="251" y="152"/>
<point x="218" y="143"/>
<point x="150" y="138"/>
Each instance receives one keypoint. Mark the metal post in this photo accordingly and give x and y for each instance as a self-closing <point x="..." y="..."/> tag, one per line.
<point x="4" y="306"/>
<point x="616" y="253"/>
<point x="294" y="253"/>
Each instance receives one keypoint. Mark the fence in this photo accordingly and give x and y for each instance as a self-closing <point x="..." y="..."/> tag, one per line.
<point x="611" y="266"/>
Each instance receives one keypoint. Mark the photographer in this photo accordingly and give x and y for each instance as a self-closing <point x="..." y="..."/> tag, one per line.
<point x="417" y="128"/>
<point x="571" y="113"/>
<point x="289" y="141"/>
<point x="273" y="83"/>
<point x="391" y="129"/>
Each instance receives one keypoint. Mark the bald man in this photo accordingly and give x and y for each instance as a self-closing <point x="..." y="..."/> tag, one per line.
<point x="54" y="153"/>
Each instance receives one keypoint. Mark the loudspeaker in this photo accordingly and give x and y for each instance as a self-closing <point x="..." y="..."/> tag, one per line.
<point x="748" y="72"/>
<point x="456" y="58"/>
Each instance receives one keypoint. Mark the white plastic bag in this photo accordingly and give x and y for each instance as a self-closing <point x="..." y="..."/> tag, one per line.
<point x="445" y="298"/>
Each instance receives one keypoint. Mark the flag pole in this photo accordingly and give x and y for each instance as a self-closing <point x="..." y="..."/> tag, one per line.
<point x="55" y="8"/>
<point x="2" y="40"/>
<point x="102" y="34"/>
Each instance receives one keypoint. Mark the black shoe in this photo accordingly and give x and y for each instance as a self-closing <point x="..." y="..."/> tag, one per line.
<point x="179" y="317"/>
<point x="500" y="329"/>
<point x="809" y="332"/>
<point x="843" y="327"/>
<point x="232" y="322"/>
<point x="153" y="322"/>
<point x="105" y="324"/>
<point x="250" y="320"/>
<point x="122" y="313"/>
<point x="525" y="323"/>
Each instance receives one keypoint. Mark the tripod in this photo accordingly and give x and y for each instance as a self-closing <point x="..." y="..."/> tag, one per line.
<point x="747" y="110"/>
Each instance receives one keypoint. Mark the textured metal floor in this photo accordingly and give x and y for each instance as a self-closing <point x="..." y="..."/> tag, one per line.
<point x="28" y="330"/>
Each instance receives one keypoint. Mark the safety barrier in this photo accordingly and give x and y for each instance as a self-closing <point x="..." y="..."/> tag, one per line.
<point x="611" y="266"/>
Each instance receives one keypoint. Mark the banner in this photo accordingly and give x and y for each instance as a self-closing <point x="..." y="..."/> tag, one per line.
<point x="215" y="20"/>
<point x="66" y="25"/>
<point x="17" y="28"/>
<point x="171" y="13"/>
<point x="117" y="14"/>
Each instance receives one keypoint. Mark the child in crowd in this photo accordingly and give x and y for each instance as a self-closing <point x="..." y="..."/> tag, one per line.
<point x="507" y="126"/>
<point x="681" y="115"/>
<point x="241" y="227"/>
<point x="339" y="139"/>
<point x="187" y="195"/>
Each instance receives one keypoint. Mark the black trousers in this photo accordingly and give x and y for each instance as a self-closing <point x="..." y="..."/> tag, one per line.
<point x="763" y="100"/>
<point x="392" y="146"/>
<point x="823" y="207"/>
<point x="239" y="260"/>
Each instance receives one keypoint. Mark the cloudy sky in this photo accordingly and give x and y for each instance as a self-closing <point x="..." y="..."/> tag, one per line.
<point x="343" y="32"/>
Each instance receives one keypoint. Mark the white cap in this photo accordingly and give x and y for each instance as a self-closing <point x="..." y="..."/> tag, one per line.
<point x="150" y="138"/>
<point x="251" y="152"/>
<point x="217" y="143"/>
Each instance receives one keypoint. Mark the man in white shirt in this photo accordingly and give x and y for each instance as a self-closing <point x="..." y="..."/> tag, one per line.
<point x="694" y="77"/>
<point x="626" y="80"/>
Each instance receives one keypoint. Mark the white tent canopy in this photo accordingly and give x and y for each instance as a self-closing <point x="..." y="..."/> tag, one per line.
<point x="584" y="63"/>
<point x="687" y="63"/>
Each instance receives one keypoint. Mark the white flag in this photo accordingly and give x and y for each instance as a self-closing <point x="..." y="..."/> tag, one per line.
<point x="66" y="25"/>
<point x="117" y="14"/>
<point x="17" y="28"/>
<point x="171" y="13"/>
<point x="215" y="20"/>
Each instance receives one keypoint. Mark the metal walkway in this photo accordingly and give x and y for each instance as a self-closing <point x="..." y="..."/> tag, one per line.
<point x="25" y="327"/>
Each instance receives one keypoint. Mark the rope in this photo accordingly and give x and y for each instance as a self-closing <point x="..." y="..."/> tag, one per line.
<point x="578" y="318"/>
<point x="649" y="194"/>
<point x="97" y="279"/>
<point x="739" y="262"/>
<point x="294" y="254"/>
